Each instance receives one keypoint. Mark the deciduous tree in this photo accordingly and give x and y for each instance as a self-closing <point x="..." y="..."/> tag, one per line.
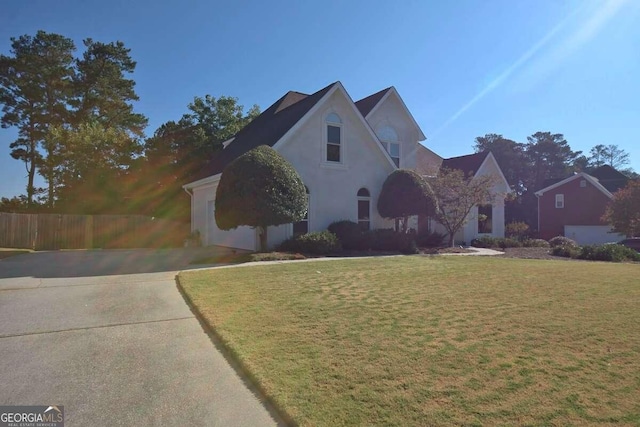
<point x="455" y="197"/>
<point x="179" y="151"/>
<point x="623" y="212"/>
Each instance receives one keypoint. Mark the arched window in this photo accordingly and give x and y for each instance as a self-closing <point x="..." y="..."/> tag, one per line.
<point x="302" y="226"/>
<point x="334" y="138"/>
<point x="389" y="138"/>
<point x="364" y="209"/>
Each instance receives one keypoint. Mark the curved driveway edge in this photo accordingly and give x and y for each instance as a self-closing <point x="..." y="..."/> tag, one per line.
<point x="115" y="347"/>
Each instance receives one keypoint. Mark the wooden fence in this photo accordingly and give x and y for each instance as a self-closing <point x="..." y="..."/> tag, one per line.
<point x="62" y="231"/>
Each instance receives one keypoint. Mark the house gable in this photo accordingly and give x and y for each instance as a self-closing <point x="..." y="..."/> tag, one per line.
<point x="324" y="105"/>
<point x="391" y="112"/>
<point x="333" y="186"/>
<point x="489" y="166"/>
<point x="582" y="202"/>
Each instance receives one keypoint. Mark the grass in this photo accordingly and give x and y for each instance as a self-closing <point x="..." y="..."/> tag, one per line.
<point x="434" y="340"/>
<point x="7" y="252"/>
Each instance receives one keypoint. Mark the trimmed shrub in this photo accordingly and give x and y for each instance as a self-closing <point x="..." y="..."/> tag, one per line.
<point x="427" y="239"/>
<point x="387" y="239"/>
<point x="318" y="243"/>
<point x="566" y="251"/>
<point x="562" y="241"/>
<point x="609" y="252"/>
<point x="350" y="235"/>
<point x="485" y="242"/>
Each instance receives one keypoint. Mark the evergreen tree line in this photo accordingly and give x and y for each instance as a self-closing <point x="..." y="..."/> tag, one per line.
<point x="529" y="166"/>
<point x="78" y="129"/>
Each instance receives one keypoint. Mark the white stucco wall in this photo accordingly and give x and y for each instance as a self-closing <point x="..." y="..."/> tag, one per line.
<point x="391" y="112"/>
<point x="203" y="220"/>
<point x="333" y="188"/>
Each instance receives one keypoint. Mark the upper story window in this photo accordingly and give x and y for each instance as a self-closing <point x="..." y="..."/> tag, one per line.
<point x="334" y="138"/>
<point x="389" y="137"/>
<point x="559" y="201"/>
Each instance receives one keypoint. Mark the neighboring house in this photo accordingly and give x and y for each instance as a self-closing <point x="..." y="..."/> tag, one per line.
<point x="343" y="151"/>
<point x="573" y="207"/>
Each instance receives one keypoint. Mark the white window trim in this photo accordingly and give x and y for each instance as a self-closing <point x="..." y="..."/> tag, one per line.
<point x="388" y="147"/>
<point x="559" y="201"/>
<point x="492" y="221"/>
<point x="325" y="141"/>
<point x="387" y="143"/>
<point x="363" y="198"/>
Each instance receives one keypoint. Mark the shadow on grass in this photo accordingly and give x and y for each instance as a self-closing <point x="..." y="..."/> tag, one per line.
<point x="278" y="414"/>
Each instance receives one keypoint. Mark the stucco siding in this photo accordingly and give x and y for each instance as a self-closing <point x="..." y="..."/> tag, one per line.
<point x="333" y="188"/>
<point x="392" y="113"/>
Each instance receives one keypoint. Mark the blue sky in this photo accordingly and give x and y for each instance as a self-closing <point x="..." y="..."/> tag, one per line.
<point x="464" y="68"/>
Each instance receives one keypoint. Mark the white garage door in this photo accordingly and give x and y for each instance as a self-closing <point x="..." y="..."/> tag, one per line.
<point x="241" y="237"/>
<point x="591" y="234"/>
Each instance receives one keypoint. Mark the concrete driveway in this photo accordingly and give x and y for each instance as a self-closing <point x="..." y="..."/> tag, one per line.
<point x="108" y="335"/>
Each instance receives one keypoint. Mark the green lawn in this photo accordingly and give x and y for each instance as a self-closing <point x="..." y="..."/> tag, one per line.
<point x="434" y="340"/>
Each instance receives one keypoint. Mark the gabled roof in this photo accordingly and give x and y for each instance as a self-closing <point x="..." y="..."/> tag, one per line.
<point x="610" y="178"/>
<point x="606" y="177"/>
<point x="365" y="105"/>
<point x="267" y="128"/>
<point x="468" y="164"/>
<point x="582" y="175"/>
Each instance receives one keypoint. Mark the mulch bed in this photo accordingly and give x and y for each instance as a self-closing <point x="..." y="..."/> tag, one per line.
<point x="532" y="253"/>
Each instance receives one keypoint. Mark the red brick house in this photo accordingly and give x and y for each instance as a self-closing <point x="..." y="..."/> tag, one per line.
<point x="573" y="207"/>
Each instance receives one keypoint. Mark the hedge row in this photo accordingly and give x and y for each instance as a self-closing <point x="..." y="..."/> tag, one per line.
<point x="508" y="242"/>
<point x="608" y="252"/>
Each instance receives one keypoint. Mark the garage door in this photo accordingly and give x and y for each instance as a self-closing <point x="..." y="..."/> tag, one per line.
<point x="591" y="234"/>
<point x="241" y="237"/>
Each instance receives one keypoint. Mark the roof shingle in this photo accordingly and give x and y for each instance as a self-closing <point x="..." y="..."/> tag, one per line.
<point x="468" y="164"/>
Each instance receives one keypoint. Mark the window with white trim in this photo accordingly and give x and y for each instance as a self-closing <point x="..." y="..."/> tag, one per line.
<point x="389" y="137"/>
<point x="334" y="138"/>
<point x="485" y="219"/>
<point x="302" y="226"/>
<point x="559" y="201"/>
<point x="364" y="209"/>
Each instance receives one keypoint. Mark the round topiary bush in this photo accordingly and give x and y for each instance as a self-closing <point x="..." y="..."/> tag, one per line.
<point x="562" y="241"/>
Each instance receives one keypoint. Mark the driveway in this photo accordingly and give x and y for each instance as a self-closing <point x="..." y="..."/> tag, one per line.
<point x="108" y="335"/>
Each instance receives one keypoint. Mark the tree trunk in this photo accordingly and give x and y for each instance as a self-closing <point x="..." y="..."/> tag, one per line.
<point x="262" y="232"/>
<point x="405" y="224"/>
<point x="452" y="239"/>
<point x="30" y="188"/>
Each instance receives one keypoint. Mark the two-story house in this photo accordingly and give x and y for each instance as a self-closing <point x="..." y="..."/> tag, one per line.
<point x="343" y="151"/>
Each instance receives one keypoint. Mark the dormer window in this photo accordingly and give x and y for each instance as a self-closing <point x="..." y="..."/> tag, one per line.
<point x="389" y="138"/>
<point x="334" y="138"/>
